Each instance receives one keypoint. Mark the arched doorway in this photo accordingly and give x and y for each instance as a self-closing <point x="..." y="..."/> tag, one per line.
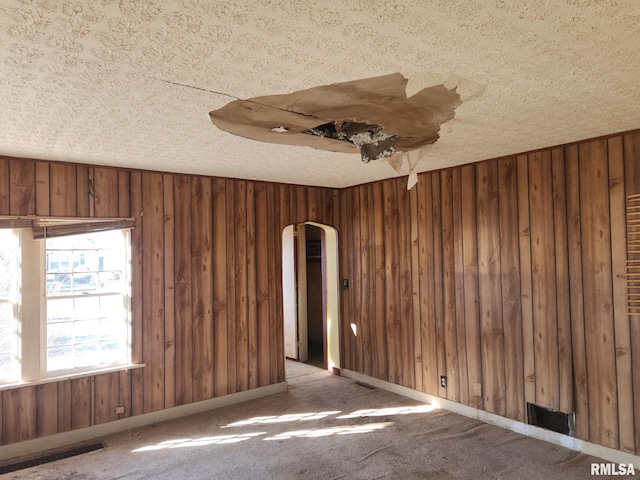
<point x="310" y="294"/>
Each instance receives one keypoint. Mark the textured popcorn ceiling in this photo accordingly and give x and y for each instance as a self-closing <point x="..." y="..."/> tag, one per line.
<point x="95" y="81"/>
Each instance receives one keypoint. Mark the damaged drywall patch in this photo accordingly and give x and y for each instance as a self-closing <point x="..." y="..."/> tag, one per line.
<point x="372" y="115"/>
<point x="370" y="139"/>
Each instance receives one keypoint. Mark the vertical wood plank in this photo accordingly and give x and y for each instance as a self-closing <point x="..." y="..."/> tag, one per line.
<point x="42" y="188"/>
<point x="81" y="403"/>
<point x="597" y="283"/>
<point x="63" y="190"/>
<point x="373" y="314"/>
<point x="364" y="289"/>
<point x="124" y="194"/>
<point x="183" y="310"/>
<point x="378" y="292"/>
<point x="279" y="323"/>
<point x="624" y="377"/>
<point x="430" y="383"/>
<point x="490" y="288"/>
<point x="545" y="323"/>
<point x="137" y="276"/>
<point x="510" y="271"/>
<point x="241" y="286"/>
<point x="415" y="286"/>
<point x="438" y="277"/>
<point x="19" y="415"/>
<point x="273" y="277"/>
<point x="526" y="296"/>
<point x="106" y="194"/>
<point x="565" y="374"/>
<point x="252" y="304"/>
<point x="169" y="293"/>
<point x="392" y="293"/>
<point x="408" y="358"/>
<point x="202" y="288"/>
<point x="346" y="272"/>
<point x="471" y="281"/>
<point x="153" y="291"/>
<point x="631" y="152"/>
<point x="448" y="287"/>
<point x="220" y="287"/>
<point x="232" y="288"/>
<point x="356" y="260"/>
<point x="64" y="405"/>
<point x="22" y="177"/>
<point x="46" y="409"/>
<point x="262" y="285"/>
<point x="124" y="392"/>
<point x="578" y="346"/>
<point x="84" y="200"/>
<point x="458" y="253"/>
<point x="107" y="397"/>
<point x="4" y="187"/>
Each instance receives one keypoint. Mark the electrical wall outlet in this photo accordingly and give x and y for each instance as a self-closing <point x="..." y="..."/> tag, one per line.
<point x="477" y="389"/>
<point x="119" y="410"/>
<point x="443" y="381"/>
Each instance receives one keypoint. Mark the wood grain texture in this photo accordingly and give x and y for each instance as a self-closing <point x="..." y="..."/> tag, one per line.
<point x="169" y="293"/>
<point x="438" y="299"/>
<point x="407" y="358"/>
<point x="252" y="301"/>
<point x="220" y="310"/>
<point x="263" y="310"/>
<point x="137" y="275"/>
<point x="242" y="299"/>
<point x="624" y="377"/>
<point x="473" y="335"/>
<point x="107" y="397"/>
<point x="22" y="178"/>
<point x="153" y="291"/>
<point x="597" y="284"/>
<point x="565" y="374"/>
<point x="4" y="186"/>
<point x="543" y="270"/>
<point x="448" y="287"/>
<point x="42" y="188"/>
<point x="631" y="152"/>
<point x="510" y="272"/>
<point x="106" y="195"/>
<point x="64" y="192"/>
<point x="202" y="288"/>
<point x="576" y="291"/>
<point x="46" y="403"/>
<point x="453" y="277"/>
<point x="491" y="321"/>
<point x="430" y="382"/>
<point x="183" y="307"/>
<point x="19" y="418"/>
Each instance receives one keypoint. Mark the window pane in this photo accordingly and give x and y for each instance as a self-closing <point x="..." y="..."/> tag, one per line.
<point x="8" y="343"/>
<point x="87" y="322"/>
<point x="9" y="250"/>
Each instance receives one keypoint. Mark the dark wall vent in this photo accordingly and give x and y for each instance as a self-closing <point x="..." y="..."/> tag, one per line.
<point x="551" y="419"/>
<point x="72" y="452"/>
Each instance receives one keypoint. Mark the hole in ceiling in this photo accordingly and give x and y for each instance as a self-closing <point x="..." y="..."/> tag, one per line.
<point x="373" y="116"/>
<point x="370" y="139"/>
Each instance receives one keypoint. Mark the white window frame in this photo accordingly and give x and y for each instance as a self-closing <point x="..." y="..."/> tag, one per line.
<point x="31" y="314"/>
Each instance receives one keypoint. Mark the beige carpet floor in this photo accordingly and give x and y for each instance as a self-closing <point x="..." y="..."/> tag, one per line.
<point x="323" y="427"/>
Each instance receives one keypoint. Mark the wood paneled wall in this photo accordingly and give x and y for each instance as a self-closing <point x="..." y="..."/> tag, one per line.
<point x="206" y="286"/>
<point x="509" y="274"/>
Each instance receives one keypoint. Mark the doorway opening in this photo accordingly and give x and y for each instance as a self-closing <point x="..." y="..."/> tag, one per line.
<point x="310" y="295"/>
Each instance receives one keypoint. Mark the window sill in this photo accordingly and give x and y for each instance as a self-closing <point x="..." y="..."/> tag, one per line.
<point x="72" y="376"/>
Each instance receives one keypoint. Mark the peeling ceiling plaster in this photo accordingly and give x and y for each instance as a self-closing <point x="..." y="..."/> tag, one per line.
<point x="131" y="83"/>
